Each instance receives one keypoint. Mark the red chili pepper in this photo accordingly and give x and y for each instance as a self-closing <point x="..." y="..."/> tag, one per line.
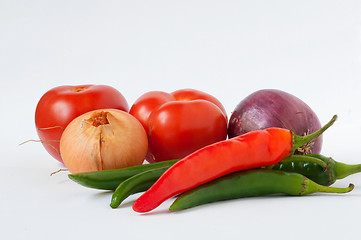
<point x="252" y="150"/>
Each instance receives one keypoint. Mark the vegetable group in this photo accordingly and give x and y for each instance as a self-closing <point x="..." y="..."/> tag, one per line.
<point x="252" y="150"/>
<point x="136" y="179"/>
<point x="272" y="135"/>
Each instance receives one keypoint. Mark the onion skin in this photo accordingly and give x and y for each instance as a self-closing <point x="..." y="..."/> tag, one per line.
<point x="275" y="108"/>
<point x="103" y="139"/>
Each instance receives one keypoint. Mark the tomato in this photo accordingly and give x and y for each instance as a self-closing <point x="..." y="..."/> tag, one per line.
<point x="60" y="105"/>
<point x="180" y="122"/>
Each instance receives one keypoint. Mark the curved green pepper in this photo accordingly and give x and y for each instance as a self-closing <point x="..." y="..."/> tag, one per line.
<point x="144" y="180"/>
<point x="138" y="183"/>
<point x="325" y="171"/>
<point x="110" y="179"/>
<point x="255" y="182"/>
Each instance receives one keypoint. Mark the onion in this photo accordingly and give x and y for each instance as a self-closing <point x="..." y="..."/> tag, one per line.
<point x="274" y="108"/>
<point x="103" y="139"/>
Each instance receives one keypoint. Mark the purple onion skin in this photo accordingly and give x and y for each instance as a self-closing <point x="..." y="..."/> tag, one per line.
<point x="274" y="108"/>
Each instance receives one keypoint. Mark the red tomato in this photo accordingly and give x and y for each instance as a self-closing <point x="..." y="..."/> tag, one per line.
<point x="60" y="105"/>
<point x="179" y="123"/>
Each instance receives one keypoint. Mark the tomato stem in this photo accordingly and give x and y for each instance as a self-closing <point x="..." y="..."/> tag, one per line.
<point x="79" y="89"/>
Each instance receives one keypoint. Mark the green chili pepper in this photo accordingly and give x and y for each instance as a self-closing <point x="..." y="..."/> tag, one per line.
<point x="138" y="183"/>
<point x="144" y="180"/>
<point x="110" y="179"/>
<point x="250" y="183"/>
<point x="325" y="176"/>
<point x="318" y="168"/>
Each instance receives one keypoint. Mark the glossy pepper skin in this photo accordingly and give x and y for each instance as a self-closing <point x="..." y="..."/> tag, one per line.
<point x="252" y="150"/>
<point x="255" y="182"/>
<point x="325" y="176"/>
<point x="110" y="179"/>
<point x="144" y="180"/>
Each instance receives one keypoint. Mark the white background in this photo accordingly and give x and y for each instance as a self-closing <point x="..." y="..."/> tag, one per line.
<point x="226" y="48"/>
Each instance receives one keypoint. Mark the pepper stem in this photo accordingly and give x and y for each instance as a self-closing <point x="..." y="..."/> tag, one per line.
<point x="304" y="159"/>
<point x="299" y="141"/>
<point x="343" y="170"/>
<point x="312" y="187"/>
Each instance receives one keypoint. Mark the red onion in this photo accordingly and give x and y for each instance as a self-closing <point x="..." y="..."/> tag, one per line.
<point x="274" y="108"/>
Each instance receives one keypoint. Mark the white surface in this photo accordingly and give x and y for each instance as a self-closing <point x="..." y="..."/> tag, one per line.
<point x="226" y="48"/>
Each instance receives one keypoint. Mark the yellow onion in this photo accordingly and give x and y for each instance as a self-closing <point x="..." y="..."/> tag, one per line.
<point x="103" y="139"/>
